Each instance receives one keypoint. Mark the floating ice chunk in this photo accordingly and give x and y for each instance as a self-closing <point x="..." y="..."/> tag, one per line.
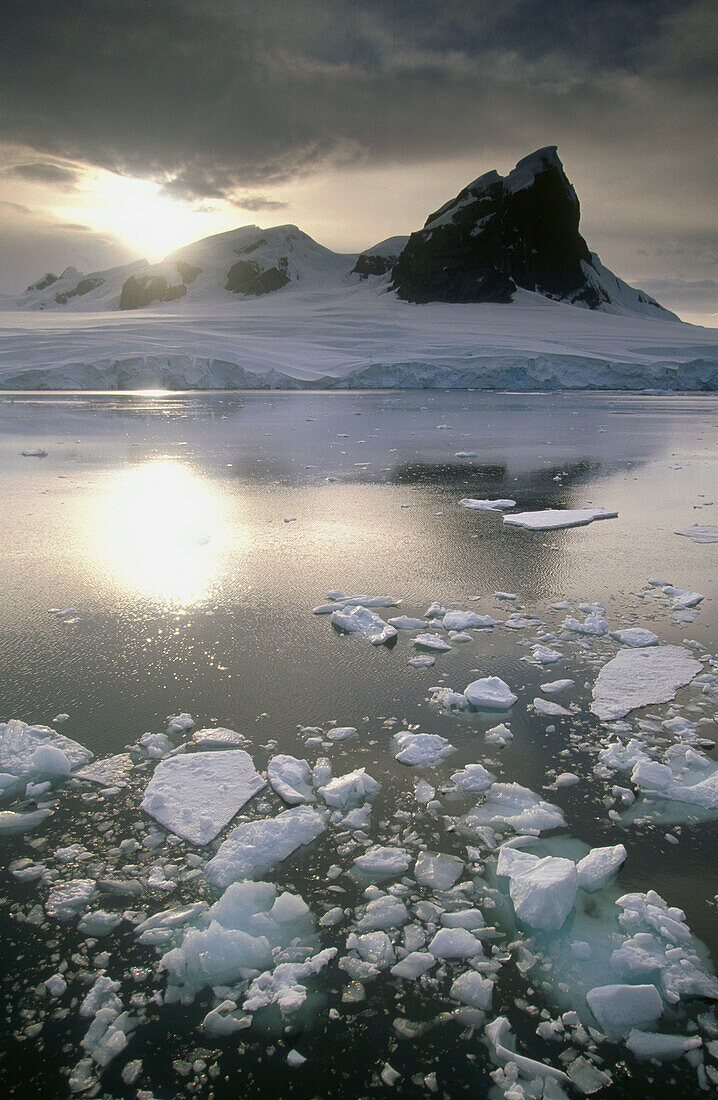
<point x="107" y="1035"/>
<point x="218" y="737"/>
<point x="517" y="808"/>
<point x="552" y="519"/>
<point x="364" y="622"/>
<point x="431" y="641"/>
<point x="99" y="923"/>
<point x="545" y="655"/>
<point x="594" y="624"/>
<point x="554" y="686"/>
<point x="651" y="776"/>
<point x="478" y="505"/>
<point x="466" y="620"/>
<point x="36" y="452"/>
<point x="513" y="860"/>
<point x="413" y="965"/>
<point x="295" y="1059"/>
<point x="195" y="796"/>
<point x="180" y="724"/>
<point x="495" y="1032"/>
<point x="435" y="611"/>
<point x="621" y="1008"/>
<point x="662" y="945"/>
<point x="71" y="898"/>
<point x="683" y="598"/>
<point x="447" y="699"/>
<point x="291" y="779"/>
<point x="362" y="600"/>
<point x="474" y="777"/>
<point x="473" y="990"/>
<point x="13" y="822"/>
<point x="498" y="735"/>
<point x="490" y="693"/>
<point x="380" y="862"/>
<point x="254" y="847"/>
<point x="637" y="677"/>
<point x="160" y="927"/>
<point x="348" y="790"/>
<point x="111" y="772"/>
<point x="636" y="637"/>
<point x="520" y="622"/>
<point x="422" y="661"/>
<point x="423" y="791"/>
<point x="103" y="994"/>
<point x="405" y="622"/>
<point x="463" y="918"/>
<point x="420" y="749"/>
<point x="383" y="913"/>
<point x="586" y="1077"/>
<point x="622" y="757"/>
<point x="245" y="931"/>
<point x="510" y="596"/>
<point x="374" y="948"/>
<point x="543" y="893"/>
<point x="599" y="866"/>
<point x="545" y="706"/>
<point x="454" y="943"/>
<point x="652" y="1044"/>
<point x="35" y="753"/>
<point x="465" y="454"/>
<point x="284" y="986"/>
<point x="55" y="985"/>
<point x="341" y="733"/>
<point x="567" y="779"/>
<point x="700" y="532"/>
<point x="155" y="745"/>
<point x="437" y="872"/>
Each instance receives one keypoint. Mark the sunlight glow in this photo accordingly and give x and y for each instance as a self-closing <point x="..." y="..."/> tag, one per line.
<point x="159" y="530"/>
<point x="151" y="223"/>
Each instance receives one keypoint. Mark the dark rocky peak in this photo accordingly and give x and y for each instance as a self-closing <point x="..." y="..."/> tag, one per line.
<point x="45" y="281"/>
<point x="498" y="234"/>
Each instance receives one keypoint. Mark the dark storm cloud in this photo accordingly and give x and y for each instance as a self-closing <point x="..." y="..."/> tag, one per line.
<point x="44" y="173"/>
<point x="222" y="94"/>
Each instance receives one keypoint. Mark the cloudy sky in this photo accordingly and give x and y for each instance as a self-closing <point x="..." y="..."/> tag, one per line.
<point x="131" y="127"/>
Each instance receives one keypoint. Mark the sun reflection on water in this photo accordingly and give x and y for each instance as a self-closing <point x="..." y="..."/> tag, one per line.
<point x="159" y="528"/>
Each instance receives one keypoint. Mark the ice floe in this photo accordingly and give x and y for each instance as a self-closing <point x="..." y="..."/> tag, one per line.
<point x="291" y="779"/>
<point x="431" y="641"/>
<point x="479" y="505"/>
<point x="700" y="532"/>
<point x="514" y="807"/>
<point x="361" y="620"/>
<point x="254" y="847"/>
<point x="37" y="753"/>
<point x="490" y="693"/>
<point x="553" y="519"/>
<point x="638" y="677"/>
<point x="196" y="795"/>
<point x="420" y="749"/>
<point x="636" y="637"/>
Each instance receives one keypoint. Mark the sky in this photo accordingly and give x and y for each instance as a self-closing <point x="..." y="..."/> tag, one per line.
<point x="131" y="127"/>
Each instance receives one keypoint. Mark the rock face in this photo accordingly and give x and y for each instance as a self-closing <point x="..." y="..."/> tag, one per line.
<point x="246" y="277"/>
<point x="502" y="233"/>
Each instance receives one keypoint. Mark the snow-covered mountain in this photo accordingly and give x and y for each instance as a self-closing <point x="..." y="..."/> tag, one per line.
<point x="499" y="235"/>
<point x="498" y="291"/>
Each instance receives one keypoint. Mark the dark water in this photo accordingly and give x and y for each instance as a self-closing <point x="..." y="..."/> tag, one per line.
<point x="161" y="519"/>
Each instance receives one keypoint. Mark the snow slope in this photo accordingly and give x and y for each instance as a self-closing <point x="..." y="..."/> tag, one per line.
<point x="352" y="334"/>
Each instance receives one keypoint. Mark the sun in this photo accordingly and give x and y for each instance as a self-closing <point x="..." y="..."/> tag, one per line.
<point x="139" y="213"/>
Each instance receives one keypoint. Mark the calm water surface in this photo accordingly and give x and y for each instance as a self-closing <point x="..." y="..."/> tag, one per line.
<point x="194" y="533"/>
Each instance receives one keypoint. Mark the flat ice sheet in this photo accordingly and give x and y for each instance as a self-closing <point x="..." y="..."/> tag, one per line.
<point x="639" y="677"/>
<point x="253" y="847"/>
<point x="700" y="532"/>
<point x="552" y="519"/>
<point x="196" y="795"/>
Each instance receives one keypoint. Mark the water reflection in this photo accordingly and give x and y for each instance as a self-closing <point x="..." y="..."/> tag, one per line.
<point x="158" y="528"/>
